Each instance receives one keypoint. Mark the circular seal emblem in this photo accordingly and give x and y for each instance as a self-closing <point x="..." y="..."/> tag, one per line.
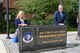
<point x="27" y="37"/>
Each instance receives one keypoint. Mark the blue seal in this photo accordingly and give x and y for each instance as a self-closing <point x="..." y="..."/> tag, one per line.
<point x="27" y="37"/>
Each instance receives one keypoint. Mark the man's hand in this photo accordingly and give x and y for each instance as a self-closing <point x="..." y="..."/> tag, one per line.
<point x="61" y="24"/>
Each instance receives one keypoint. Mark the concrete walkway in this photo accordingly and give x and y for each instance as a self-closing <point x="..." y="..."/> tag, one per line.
<point x="2" y="47"/>
<point x="73" y="46"/>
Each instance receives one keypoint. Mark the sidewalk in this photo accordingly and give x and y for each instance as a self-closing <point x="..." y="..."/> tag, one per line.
<point x="73" y="46"/>
<point x="2" y="47"/>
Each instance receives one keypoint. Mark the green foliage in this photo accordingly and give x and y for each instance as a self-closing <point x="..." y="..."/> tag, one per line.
<point x="12" y="30"/>
<point x="72" y="28"/>
<point x="3" y="23"/>
<point x="40" y="21"/>
<point x="71" y="7"/>
<point x="40" y="7"/>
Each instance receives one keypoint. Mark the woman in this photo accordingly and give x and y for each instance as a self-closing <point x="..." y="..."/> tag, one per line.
<point x="20" y="20"/>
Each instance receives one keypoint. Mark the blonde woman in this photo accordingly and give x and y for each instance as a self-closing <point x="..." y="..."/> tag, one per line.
<point x="20" y="20"/>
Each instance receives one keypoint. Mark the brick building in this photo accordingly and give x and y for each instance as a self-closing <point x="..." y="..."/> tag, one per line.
<point x="11" y="5"/>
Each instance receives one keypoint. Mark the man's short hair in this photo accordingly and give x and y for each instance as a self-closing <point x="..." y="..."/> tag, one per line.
<point x="60" y="5"/>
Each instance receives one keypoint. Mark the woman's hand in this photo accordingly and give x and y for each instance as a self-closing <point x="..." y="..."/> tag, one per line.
<point x="23" y="24"/>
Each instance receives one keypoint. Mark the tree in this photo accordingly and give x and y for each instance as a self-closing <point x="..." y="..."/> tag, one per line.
<point x="41" y="8"/>
<point x="71" y="7"/>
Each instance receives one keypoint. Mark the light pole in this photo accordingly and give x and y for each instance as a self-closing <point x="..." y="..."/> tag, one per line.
<point x="7" y="15"/>
<point x="79" y="10"/>
<point x="78" y="36"/>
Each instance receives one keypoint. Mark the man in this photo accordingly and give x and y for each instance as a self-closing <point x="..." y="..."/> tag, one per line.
<point x="60" y="16"/>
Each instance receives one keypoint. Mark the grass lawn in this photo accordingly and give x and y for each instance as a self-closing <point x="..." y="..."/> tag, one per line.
<point x="71" y="29"/>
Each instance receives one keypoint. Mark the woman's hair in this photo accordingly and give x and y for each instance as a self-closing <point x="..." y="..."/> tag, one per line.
<point x="22" y="14"/>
